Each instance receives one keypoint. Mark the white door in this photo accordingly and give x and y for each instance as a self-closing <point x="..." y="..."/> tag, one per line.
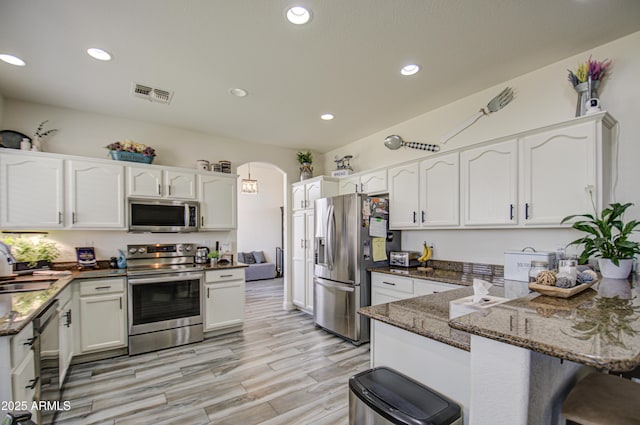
<point x="144" y="181"/>
<point x="440" y="191"/>
<point x="103" y="322"/>
<point x="489" y="184"/>
<point x="299" y="259"/>
<point x="32" y="192"/>
<point x="557" y="169"/>
<point x="298" y="197"/>
<point x="180" y="184"/>
<point x="218" y="202"/>
<point x="349" y="185"/>
<point x="403" y="196"/>
<point x="310" y="251"/>
<point x="96" y="195"/>
<point x="224" y="304"/>
<point x="374" y="182"/>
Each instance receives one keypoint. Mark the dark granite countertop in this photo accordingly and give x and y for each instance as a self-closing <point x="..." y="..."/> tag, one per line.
<point x="18" y="309"/>
<point x="449" y="272"/>
<point x="598" y="327"/>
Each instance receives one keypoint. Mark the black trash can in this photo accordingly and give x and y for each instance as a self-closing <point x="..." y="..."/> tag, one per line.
<point x="381" y="396"/>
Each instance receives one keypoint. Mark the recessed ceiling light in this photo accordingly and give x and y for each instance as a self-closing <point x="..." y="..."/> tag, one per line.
<point x="13" y="60"/>
<point x="101" y="55"/>
<point x="326" y="117"/>
<point x="298" y="15"/>
<point x="410" y="69"/>
<point x="238" y="92"/>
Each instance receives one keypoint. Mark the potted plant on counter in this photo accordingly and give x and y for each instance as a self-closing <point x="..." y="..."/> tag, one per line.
<point x="607" y="238"/>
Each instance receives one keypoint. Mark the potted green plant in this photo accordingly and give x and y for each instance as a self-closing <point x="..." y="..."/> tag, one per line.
<point x="306" y="170"/>
<point x="213" y="257"/>
<point x="607" y="238"/>
<point x="30" y="254"/>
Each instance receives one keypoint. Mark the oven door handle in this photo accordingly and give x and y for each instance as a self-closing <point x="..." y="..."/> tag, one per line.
<point x="164" y="278"/>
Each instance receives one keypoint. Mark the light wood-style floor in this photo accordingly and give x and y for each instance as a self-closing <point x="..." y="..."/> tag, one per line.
<point x="280" y="369"/>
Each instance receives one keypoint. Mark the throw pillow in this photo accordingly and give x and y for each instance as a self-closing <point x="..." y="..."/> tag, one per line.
<point x="259" y="256"/>
<point x="241" y="257"/>
<point x="248" y="258"/>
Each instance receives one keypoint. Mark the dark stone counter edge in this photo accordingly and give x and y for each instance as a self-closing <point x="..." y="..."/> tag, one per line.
<point x="414" y="274"/>
<point x="603" y="363"/>
<point x="436" y="337"/>
<point x="63" y="281"/>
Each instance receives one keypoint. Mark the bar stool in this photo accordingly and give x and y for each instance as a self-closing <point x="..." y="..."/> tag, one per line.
<point x="602" y="399"/>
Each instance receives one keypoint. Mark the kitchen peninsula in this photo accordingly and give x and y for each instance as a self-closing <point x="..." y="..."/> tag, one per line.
<point x="514" y="362"/>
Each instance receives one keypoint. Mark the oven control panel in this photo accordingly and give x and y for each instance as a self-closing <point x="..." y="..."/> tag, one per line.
<point x="161" y="250"/>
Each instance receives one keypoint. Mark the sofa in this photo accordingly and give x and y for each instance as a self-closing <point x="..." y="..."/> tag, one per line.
<point x="259" y="268"/>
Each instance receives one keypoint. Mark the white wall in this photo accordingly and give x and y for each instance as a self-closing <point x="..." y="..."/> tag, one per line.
<point x="543" y="97"/>
<point x="259" y="216"/>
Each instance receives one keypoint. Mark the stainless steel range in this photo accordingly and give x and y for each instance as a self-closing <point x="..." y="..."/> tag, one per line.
<point x="164" y="287"/>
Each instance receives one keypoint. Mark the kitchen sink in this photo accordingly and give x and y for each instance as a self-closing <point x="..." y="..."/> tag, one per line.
<point x="25" y="286"/>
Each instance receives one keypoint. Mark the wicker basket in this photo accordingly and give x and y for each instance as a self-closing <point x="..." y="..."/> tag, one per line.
<point x="131" y="157"/>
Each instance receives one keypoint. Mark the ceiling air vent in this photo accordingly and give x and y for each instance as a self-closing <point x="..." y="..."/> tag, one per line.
<point x="151" y="94"/>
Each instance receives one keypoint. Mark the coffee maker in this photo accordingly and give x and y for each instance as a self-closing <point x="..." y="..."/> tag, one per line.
<point x="201" y="254"/>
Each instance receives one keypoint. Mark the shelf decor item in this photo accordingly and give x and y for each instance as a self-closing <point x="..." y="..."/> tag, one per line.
<point x="37" y="143"/>
<point x="586" y="81"/>
<point x="306" y="170"/>
<point x="131" y="151"/>
<point x="607" y="238"/>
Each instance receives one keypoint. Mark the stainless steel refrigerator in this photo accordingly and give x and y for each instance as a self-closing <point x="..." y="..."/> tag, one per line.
<point x="351" y="236"/>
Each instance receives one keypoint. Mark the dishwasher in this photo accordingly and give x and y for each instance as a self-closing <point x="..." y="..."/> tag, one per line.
<point x="47" y="363"/>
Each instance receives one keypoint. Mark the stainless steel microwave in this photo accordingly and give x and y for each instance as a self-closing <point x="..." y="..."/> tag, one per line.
<point x="163" y="216"/>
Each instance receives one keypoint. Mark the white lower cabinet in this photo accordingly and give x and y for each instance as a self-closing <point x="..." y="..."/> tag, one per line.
<point x="23" y="369"/>
<point x="386" y="288"/>
<point x="103" y="314"/>
<point x="224" y="298"/>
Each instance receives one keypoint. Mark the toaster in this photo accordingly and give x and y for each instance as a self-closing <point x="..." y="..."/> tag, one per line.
<point x="404" y="258"/>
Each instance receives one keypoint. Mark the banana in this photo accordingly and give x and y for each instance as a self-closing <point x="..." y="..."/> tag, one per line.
<point x="426" y="253"/>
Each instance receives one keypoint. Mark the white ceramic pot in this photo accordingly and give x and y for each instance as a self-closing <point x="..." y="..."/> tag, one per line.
<point x="611" y="271"/>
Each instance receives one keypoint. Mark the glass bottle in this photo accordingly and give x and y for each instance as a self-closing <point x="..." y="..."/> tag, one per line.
<point x="536" y="268"/>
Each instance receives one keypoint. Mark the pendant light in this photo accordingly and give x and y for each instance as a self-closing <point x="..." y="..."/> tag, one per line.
<point x="249" y="187"/>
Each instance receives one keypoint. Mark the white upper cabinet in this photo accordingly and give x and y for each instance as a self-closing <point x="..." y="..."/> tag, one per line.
<point x="154" y="182"/>
<point x="489" y="184"/>
<point x="404" y="186"/>
<point x="558" y="171"/>
<point x="439" y="191"/>
<point x="305" y="193"/>
<point x="218" y="201"/>
<point x="32" y="194"/>
<point x="374" y="182"/>
<point x="96" y="195"/>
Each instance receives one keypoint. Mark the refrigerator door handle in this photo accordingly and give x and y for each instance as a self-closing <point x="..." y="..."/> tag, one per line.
<point x="340" y="287"/>
<point x="331" y="233"/>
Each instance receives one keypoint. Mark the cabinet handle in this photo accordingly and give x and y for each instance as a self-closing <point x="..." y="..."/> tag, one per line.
<point x="120" y="303"/>
<point x="59" y="217"/>
<point x="414" y="216"/>
<point x="526" y="211"/>
<point x="208" y="292"/>
<point x="422" y="216"/>
<point x="169" y="187"/>
<point x="73" y="218"/>
<point x="68" y="323"/>
<point x="30" y="341"/>
<point x="526" y="326"/>
<point x="510" y="211"/>
<point x="159" y="190"/>
<point x="356" y="185"/>
<point x="511" y="323"/>
<point x="33" y="383"/>
<point x="362" y="187"/>
<point x="103" y="287"/>
<point x="301" y="243"/>
<point x="226" y="275"/>
<point x="202" y="221"/>
<point x="389" y="283"/>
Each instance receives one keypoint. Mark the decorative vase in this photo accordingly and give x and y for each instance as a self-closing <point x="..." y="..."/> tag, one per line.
<point x="306" y="171"/>
<point x="611" y="271"/>
<point x="36" y="144"/>
<point x="583" y="95"/>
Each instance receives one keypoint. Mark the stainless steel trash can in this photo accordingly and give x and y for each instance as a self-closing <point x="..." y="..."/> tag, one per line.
<point x="382" y="396"/>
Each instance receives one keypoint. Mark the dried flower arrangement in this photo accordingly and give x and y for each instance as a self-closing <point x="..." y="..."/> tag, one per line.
<point x="131" y="146"/>
<point x="39" y="131"/>
<point x="598" y="70"/>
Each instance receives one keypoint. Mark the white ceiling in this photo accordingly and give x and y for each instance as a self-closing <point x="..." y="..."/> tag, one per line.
<point x="345" y="61"/>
